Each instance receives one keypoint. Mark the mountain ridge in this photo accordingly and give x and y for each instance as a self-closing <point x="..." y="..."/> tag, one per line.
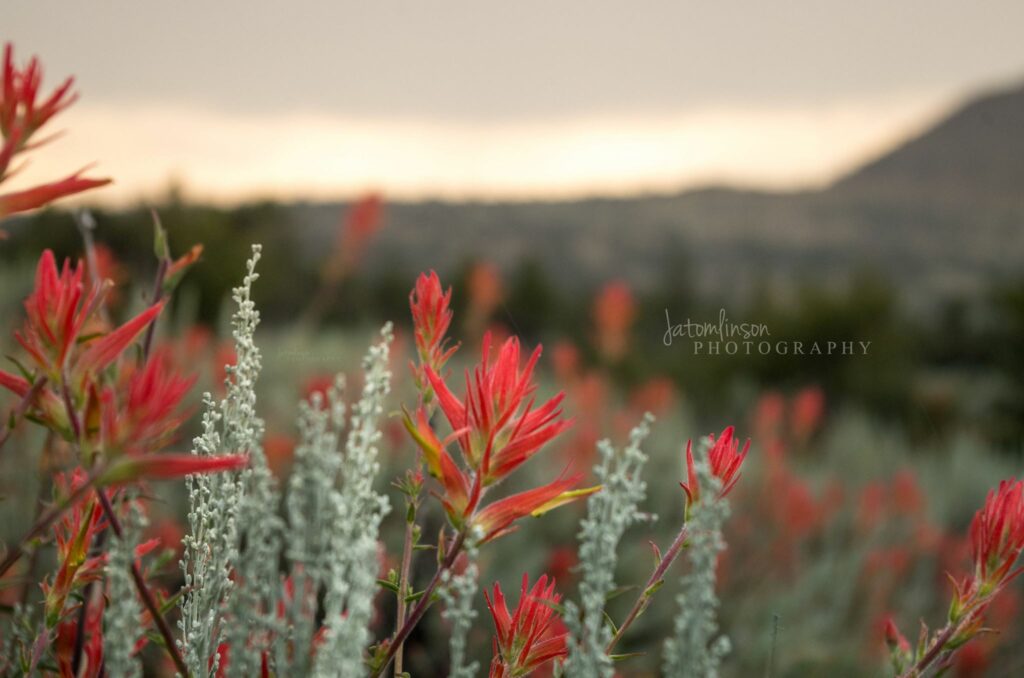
<point x="940" y="214"/>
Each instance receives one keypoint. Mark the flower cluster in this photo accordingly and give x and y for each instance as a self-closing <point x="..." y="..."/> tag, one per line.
<point x="724" y="458"/>
<point x="532" y="635"/>
<point x="431" y="318"/>
<point x="997" y="539"/>
<point x="496" y="424"/>
<point x="23" y="112"/>
<point x="75" y="383"/>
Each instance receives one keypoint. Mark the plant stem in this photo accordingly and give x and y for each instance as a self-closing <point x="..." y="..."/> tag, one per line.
<point x="421" y="607"/>
<point x="934" y="650"/>
<point x="403" y="586"/>
<point x="158" y="292"/>
<point x="645" y="596"/>
<point x="144" y="591"/>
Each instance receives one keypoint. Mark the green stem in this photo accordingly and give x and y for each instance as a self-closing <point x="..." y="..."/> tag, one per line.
<point x="403" y="588"/>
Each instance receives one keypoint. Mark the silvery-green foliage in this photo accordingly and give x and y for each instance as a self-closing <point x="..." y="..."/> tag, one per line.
<point x="695" y="650"/>
<point x="211" y="545"/>
<point x="122" y="615"/>
<point x="309" y="511"/>
<point x="357" y="511"/>
<point x="458" y="593"/>
<point x="253" y="619"/>
<point x="610" y="513"/>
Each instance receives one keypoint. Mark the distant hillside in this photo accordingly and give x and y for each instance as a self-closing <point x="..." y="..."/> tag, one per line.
<point x="976" y="154"/>
<point x="940" y="215"/>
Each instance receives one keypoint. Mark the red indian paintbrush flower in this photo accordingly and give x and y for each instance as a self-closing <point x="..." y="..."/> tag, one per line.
<point x="58" y="310"/>
<point x="528" y="638"/>
<point x="74" y="535"/>
<point x="22" y="113"/>
<point x="431" y="317"/>
<point x="997" y="533"/>
<point x="997" y="539"/>
<point x="133" y="429"/>
<point x="150" y="413"/>
<point x="497" y="425"/>
<point x="725" y="459"/>
<point x="20" y="109"/>
<point x="56" y="314"/>
<point x="463" y="490"/>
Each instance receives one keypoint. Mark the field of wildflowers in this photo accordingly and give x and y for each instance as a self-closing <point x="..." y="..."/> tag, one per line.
<point x="179" y="501"/>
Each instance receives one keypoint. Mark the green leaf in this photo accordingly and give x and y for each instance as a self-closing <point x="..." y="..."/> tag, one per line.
<point x="616" y="592"/>
<point x="388" y="584"/>
<point x="161" y="249"/>
<point x="608" y="619"/>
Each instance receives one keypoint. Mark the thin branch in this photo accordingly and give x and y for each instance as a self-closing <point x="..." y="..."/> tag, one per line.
<point x="403" y="588"/>
<point x="424" y="602"/>
<point x="655" y="580"/>
<point x="158" y="287"/>
<point x="143" y="588"/>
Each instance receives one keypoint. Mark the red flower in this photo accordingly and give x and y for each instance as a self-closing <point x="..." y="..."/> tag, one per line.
<point x="431" y="318"/>
<point x="894" y="639"/>
<point x="58" y="310"/>
<point x="614" y="314"/>
<point x="997" y="534"/>
<point x="363" y="218"/>
<point x="808" y="409"/>
<point x="484" y="289"/>
<point x="55" y="314"/>
<point x="500" y="429"/>
<point x="92" y="646"/>
<point x="528" y="638"/>
<point x="22" y="114"/>
<point x="496" y="426"/>
<point x="138" y="414"/>
<point x="74" y="534"/>
<point x="725" y="458"/>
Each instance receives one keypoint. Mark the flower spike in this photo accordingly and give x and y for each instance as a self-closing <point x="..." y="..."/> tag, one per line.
<point x="529" y="637"/>
<point x="725" y="458"/>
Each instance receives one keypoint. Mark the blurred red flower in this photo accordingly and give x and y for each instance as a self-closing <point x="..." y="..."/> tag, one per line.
<point x="725" y="458"/>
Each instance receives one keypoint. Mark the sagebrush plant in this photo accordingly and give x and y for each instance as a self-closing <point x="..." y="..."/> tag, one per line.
<point x="285" y="577"/>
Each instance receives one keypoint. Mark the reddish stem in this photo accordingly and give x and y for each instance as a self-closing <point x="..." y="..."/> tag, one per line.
<point x="645" y="596"/>
<point x="403" y="588"/>
<point x="421" y="607"/>
<point x="144" y="591"/>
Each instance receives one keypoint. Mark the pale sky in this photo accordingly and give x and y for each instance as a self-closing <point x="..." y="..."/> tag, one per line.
<point x="324" y="98"/>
